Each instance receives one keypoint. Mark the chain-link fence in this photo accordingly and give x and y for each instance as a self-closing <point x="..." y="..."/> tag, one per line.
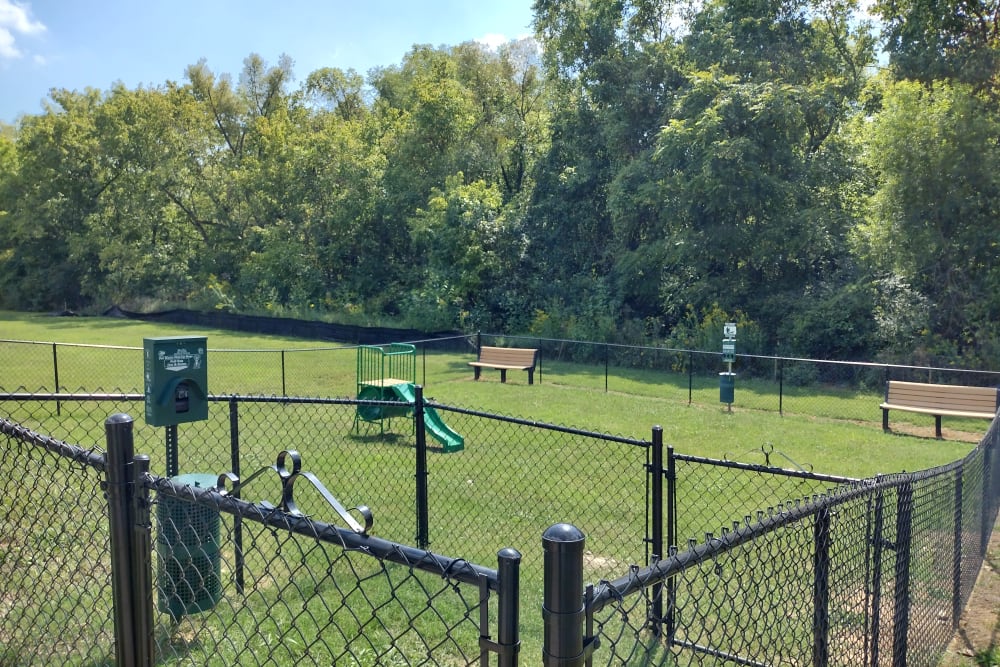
<point x="819" y="388"/>
<point x="810" y="568"/>
<point x="872" y="572"/>
<point x="228" y="581"/>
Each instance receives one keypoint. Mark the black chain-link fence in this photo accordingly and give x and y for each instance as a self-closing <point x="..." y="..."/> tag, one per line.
<point x="810" y="568"/>
<point x="871" y="572"/>
<point x="820" y="388"/>
<point x="221" y="580"/>
<point x="55" y="558"/>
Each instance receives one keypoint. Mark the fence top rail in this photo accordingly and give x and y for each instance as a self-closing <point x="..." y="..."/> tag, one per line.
<point x="540" y="425"/>
<point x="773" y="470"/>
<point x="653" y="348"/>
<point x="457" y="569"/>
<point x="90" y="457"/>
<point x="607" y="592"/>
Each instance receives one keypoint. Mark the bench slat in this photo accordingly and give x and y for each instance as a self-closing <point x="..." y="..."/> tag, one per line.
<point x="939" y="400"/>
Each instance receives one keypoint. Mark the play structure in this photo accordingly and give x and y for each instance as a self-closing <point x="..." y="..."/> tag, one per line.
<point x="389" y="373"/>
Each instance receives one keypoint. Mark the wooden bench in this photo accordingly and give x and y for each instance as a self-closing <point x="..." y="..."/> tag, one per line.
<point x="939" y="400"/>
<point x="505" y="359"/>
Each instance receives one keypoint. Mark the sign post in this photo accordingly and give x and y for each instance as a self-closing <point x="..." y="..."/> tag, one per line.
<point x="727" y="379"/>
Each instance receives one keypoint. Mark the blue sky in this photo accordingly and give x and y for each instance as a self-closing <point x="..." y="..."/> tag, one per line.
<point x="76" y="44"/>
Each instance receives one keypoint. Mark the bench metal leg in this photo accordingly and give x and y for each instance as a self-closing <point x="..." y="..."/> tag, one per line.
<point x="531" y="376"/>
<point x="937" y="426"/>
<point x="885" y="419"/>
<point x="476" y="369"/>
<point x="503" y="375"/>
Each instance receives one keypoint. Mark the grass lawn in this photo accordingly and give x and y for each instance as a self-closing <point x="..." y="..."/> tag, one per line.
<point x="509" y="483"/>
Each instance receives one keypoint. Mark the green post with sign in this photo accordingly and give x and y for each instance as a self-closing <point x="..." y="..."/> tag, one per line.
<point x="175" y="372"/>
<point x="727" y="380"/>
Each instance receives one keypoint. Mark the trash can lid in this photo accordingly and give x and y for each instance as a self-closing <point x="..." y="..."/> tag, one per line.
<point x="200" y="479"/>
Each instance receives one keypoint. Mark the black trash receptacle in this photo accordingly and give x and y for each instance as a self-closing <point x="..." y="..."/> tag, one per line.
<point x="187" y="547"/>
<point x="727" y="387"/>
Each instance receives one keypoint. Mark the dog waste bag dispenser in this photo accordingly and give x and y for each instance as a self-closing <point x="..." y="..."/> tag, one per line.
<point x="176" y="380"/>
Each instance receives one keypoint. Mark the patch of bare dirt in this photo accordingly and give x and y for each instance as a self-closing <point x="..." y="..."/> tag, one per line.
<point x="979" y="627"/>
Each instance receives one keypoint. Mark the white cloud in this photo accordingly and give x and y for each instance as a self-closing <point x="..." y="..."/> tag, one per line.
<point x="15" y="20"/>
<point x="491" y="40"/>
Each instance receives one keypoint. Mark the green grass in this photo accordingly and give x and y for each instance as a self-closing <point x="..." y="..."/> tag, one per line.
<point x="505" y="487"/>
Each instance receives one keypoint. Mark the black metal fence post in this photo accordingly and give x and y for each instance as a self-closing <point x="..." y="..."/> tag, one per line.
<point x="656" y="473"/>
<point x="118" y="432"/>
<point x="55" y="372"/>
<point x="877" y="544"/>
<point x="956" y="573"/>
<point x="142" y="563"/>
<point x="671" y="537"/>
<point x="781" y="386"/>
<point x="423" y="521"/>
<point x="562" y="597"/>
<point x="234" y="461"/>
<point x="690" y="377"/>
<point x="987" y="505"/>
<point x="283" y="391"/>
<point x="821" y="588"/>
<point x="607" y="362"/>
<point x="508" y="607"/>
<point x="901" y="613"/>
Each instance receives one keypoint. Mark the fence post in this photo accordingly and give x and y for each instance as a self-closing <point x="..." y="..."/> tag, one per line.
<point x="423" y="539"/>
<point x="142" y="564"/>
<point x="671" y="537"/>
<point x="821" y="588"/>
<point x="283" y="392"/>
<point x="878" y="542"/>
<point x="234" y="461"/>
<point x="118" y="475"/>
<point x="55" y="372"/>
<point x="690" y="377"/>
<point x="987" y="505"/>
<point x="901" y="614"/>
<point x="562" y="597"/>
<point x="781" y="386"/>
<point x="606" y="364"/>
<point x="956" y="586"/>
<point x="656" y="472"/>
<point x="508" y="607"/>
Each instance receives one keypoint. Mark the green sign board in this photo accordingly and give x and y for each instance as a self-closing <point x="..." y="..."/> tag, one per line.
<point x="729" y="350"/>
<point x="176" y="379"/>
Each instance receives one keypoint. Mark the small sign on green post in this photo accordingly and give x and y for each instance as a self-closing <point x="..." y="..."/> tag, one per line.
<point x="729" y="351"/>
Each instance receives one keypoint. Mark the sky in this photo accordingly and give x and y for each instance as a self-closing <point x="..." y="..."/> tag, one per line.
<point x="78" y="44"/>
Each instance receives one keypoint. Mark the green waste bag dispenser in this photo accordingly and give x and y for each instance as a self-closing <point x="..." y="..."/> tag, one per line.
<point x="176" y="379"/>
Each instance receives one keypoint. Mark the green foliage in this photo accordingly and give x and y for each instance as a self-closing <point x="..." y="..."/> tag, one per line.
<point x="644" y="161"/>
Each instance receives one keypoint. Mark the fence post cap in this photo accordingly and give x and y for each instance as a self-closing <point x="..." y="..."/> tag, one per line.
<point x="562" y="532"/>
<point x="119" y="418"/>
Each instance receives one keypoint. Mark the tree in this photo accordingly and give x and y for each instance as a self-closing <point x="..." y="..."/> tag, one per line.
<point x="58" y="181"/>
<point x="957" y="40"/>
<point x="933" y="216"/>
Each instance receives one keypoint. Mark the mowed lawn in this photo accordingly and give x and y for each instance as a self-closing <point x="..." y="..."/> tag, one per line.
<point x="508" y="479"/>
<point x="254" y="364"/>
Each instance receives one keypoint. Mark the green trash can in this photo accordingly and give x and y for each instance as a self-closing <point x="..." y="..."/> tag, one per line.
<point x="187" y="547"/>
<point x="727" y="387"/>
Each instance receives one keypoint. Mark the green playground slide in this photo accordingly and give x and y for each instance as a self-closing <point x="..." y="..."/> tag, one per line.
<point x="433" y="424"/>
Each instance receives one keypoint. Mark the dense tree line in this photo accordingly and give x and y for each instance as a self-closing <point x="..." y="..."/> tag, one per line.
<point x="642" y="170"/>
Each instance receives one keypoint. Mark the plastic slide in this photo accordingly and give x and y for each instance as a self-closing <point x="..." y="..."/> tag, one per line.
<point x="433" y="424"/>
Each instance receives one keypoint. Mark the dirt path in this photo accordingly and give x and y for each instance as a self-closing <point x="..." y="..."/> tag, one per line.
<point x="979" y="629"/>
